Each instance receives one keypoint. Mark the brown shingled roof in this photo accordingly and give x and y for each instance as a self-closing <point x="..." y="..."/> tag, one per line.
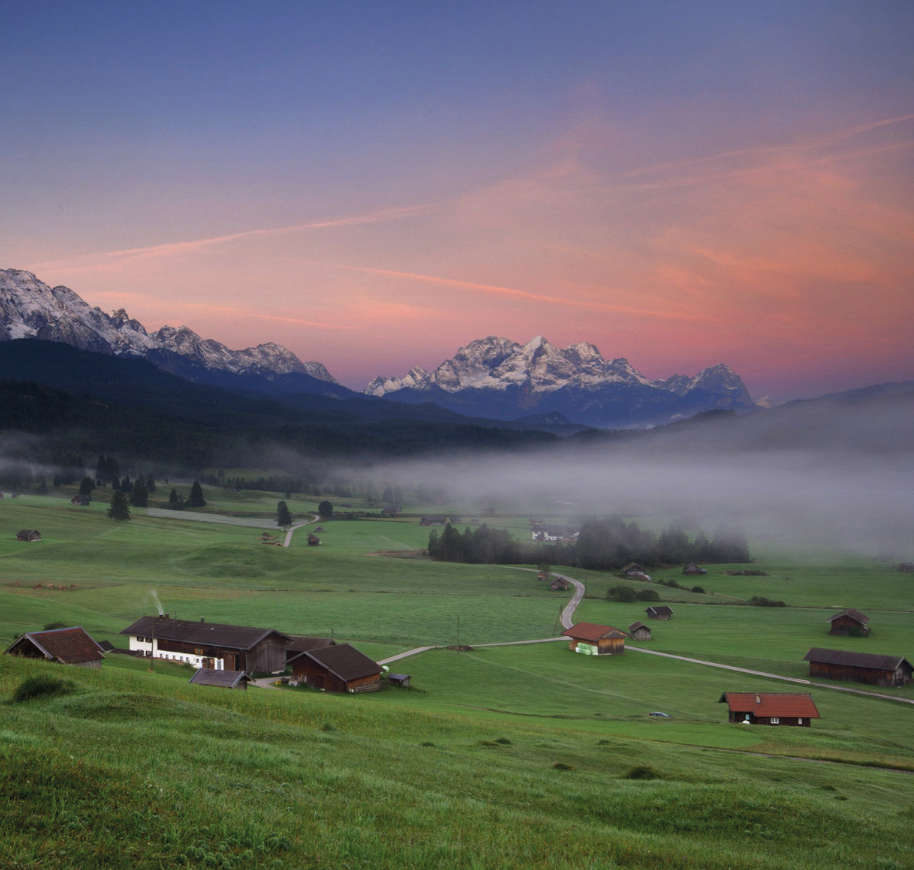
<point x="862" y="618"/>
<point x="786" y="704"/>
<point x="225" y="679"/>
<point x="240" y="637"/>
<point x="592" y="631"/>
<point x="343" y="661"/>
<point x="854" y="659"/>
<point x="299" y="643"/>
<point x="69" y="646"/>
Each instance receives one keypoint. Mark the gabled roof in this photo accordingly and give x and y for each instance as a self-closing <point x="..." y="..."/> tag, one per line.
<point x="226" y="679"/>
<point x="592" y="631"/>
<point x="660" y="610"/>
<point x="343" y="661"/>
<point x="636" y="625"/>
<point x="856" y="615"/>
<point x="299" y="643"/>
<point x="240" y="637"/>
<point x="855" y="660"/>
<point x="69" y="646"/>
<point x="785" y="704"/>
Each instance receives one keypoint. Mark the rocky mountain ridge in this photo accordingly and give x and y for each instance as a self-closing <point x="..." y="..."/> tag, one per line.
<point x="29" y="308"/>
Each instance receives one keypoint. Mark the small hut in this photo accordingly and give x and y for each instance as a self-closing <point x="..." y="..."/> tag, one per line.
<point x="693" y="570"/>
<point x="67" y="646"/>
<point x="313" y="540"/>
<point x="851" y="622"/>
<point x="590" y="638"/>
<point x="399" y="680"/>
<point x="223" y="679"/>
<point x="559" y="584"/>
<point x="659" y="611"/>
<point x="340" y="668"/>
<point x="28" y="535"/>
<point x="81" y="500"/>
<point x="639" y="631"/>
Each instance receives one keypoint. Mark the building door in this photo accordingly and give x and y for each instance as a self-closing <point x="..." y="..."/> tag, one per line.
<point x="209" y="664"/>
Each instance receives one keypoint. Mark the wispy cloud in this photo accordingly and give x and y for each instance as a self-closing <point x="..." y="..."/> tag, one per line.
<point x="190" y="246"/>
<point x="501" y="290"/>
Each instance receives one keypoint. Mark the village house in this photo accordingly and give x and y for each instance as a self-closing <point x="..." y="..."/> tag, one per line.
<point x="590" y="638"/>
<point x="770" y="708"/>
<point x="313" y="540"/>
<point x="635" y="572"/>
<point x="660" y="611"/>
<point x="299" y="644"/>
<point x="878" y="670"/>
<point x="223" y="679"/>
<point x="639" y="631"/>
<point x="209" y="644"/>
<point x="339" y="668"/>
<point x="849" y="621"/>
<point x="68" y="646"/>
<point x="28" y="535"/>
<point x="693" y="570"/>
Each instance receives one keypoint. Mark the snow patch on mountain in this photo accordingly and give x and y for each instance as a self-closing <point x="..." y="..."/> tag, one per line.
<point x="29" y="308"/>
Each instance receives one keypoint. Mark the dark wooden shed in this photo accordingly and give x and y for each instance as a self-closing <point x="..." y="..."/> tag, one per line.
<point x="639" y="631"/>
<point x="340" y="668"/>
<point x="660" y="611"/>
<point x="68" y="646"/>
<point x="223" y="679"/>
<point x="878" y="670"/>
<point x="28" y="535"/>
<point x="591" y="638"/>
<point x="849" y="622"/>
<point x="770" y="708"/>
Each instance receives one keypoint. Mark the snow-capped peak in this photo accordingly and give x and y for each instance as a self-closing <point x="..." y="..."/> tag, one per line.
<point x="29" y="308"/>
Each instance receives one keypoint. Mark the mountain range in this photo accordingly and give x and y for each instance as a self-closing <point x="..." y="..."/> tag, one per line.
<point x="501" y="379"/>
<point x="492" y="378"/>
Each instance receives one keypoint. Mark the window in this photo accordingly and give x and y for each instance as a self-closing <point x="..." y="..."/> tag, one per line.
<point x="800" y="721"/>
<point x="775" y="720"/>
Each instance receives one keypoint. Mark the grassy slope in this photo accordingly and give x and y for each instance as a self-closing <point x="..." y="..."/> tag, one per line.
<point x="253" y="779"/>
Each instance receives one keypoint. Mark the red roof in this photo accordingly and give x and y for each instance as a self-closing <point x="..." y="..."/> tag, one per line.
<point x="592" y="631"/>
<point x="783" y="704"/>
<point x="69" y="646"/>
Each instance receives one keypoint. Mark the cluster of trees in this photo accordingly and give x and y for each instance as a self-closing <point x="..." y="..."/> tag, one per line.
<point x="602" y="544"/>
<point x="482" y="545"/>
<point x="177" y="502"/>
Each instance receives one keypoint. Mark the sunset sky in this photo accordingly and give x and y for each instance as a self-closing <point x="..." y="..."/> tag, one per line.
<point x="374" y="185"/>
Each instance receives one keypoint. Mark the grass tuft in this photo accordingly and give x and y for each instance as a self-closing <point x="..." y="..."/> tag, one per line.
<point x="41" y="687"/>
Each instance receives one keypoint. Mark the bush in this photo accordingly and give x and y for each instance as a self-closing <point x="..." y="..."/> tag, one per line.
<point x="648" y="595"/>
<point x="621" y="593"/>
<point x="41" y="687"/>
<point x="698" y="589"/>
<point x="52" y="625"/>
<point x="642" y="771"/>
<point x="761" y="601"/>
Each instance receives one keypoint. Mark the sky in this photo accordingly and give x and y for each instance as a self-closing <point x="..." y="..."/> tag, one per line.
<point x="375" y="185"/>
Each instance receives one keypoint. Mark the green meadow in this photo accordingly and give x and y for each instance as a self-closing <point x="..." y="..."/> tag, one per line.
<point x="496" y="757"/>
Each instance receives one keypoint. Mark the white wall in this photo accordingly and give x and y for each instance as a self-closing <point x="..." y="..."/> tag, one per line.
<point x="152" y="648"/>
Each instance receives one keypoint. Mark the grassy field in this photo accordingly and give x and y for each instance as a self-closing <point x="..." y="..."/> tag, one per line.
<point x="498" y="757"/>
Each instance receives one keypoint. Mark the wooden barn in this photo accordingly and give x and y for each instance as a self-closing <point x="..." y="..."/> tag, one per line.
<point x="591" y="638"/>
<point x="659" y="611"/>
<point x="851" y="622"/>
<point x="639" y="631"/>
<point x="299" y="644"/>
<point x="28" y="535"/>
<point x="770" y="708"/>
<point x="68" y="646"/>
<point x="223" y="679"/>
<point x="340" y="668"/>
<point x="209" y="644"/>
<point x="878" y="670"/>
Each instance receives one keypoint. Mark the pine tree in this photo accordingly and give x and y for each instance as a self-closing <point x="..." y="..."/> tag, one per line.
<point x="325" y="509"/>
<point x="196" y="495"/>
<point x="86" y="485"/>
<point x="283" y="517"/>
<point x="175" y="501"/>
<point x="119" y="509"/>
<point x="140" y="495"/>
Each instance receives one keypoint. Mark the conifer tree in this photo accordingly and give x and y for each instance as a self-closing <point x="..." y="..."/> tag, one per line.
<point x="119" y="509"/>
<point x="196" y="495"/>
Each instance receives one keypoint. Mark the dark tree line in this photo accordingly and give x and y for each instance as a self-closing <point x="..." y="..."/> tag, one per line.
<point x="605" y="544"/>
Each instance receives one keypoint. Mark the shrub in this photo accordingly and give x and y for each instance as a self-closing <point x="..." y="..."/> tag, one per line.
<point x="761" y="601"/>
<point x="698" y="589"/>
<point x="41" y="687"/>
<point x="621" y="593"/>
<point x="647" y="595"/>
<point x="642" y="771"/>
<point x="560" y="765"/>
<point x="52" y="625"/>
